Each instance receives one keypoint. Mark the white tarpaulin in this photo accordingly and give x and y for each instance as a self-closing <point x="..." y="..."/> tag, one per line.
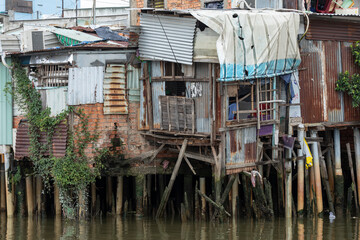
<point x="254" y="44"/>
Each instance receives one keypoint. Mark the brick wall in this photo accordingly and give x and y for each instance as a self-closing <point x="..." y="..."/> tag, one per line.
<point x="183" y="4"/>
<point x="125" y="126"/>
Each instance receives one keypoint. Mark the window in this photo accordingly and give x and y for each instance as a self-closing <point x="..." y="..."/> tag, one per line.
<point x="53" y="75"/>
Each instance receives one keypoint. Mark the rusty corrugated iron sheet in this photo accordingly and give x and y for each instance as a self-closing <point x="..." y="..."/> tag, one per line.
<point x="348" y="64"/>
<point x="332" y="58"/>
<point x="115" y="94"/>
<point x="240" y="148"/>
<point x="310" y="75"/>
<point x="23" y="141"/>
<point x="333" y="29"/>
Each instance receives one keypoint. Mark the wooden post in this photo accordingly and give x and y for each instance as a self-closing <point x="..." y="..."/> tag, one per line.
<point x="57" y="200"/>
<point x="235" y="195"/>
<point x="288" y="184"/>
<point x="2" y="190"/>
<point x="189" y="191"/>
<point x="139" y="192"/>
<point x="38" y="194"/>
<point x="329" y="164"/>
<point x="316" y="160"/>
<point x="203" y="201"/>
<point x="339" y="178"/>
<point x="10" y="204"/>
<point x="357" y="158"/>
<point x="82" y="204"/>
<point x="119" y="194"/>
<point x="29" y="195"/>
<point x="93" y="198"/>
<point x="168" y="189"/>
<point x="300" y="172"/>
<point x="148" y="94"/>
<point x="351" y="166"/>
<point x="325" y="180"/>
<point x="109" y="194"/>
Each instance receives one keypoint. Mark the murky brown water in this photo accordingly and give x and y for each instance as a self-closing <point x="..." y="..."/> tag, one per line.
<point x="144" y="228"/>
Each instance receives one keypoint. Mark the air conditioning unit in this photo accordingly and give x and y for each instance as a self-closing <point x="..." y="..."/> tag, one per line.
<point x="33" y="40"/>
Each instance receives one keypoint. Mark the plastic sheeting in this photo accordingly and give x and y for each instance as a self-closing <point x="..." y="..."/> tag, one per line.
<point x="254" y="44"/>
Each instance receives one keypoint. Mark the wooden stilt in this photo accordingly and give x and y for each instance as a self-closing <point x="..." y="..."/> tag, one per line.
<point x="225" y="194"/>
<point x="300" y="172"/>
<point x="329" y="162"/>
<point x="119" y="194"/>
<point x="38" y="194"/>
<point x="189" y="191"/>
<point x="325" y="180"/>
<point x="220" y="207"/>
<point x="2" y="190"/>
<point x="109" y="194"/>
<point x="316" y="160"/>
<point x="288" y="185"/>
<point x="82" y="205"/>
<point x="357" y="159"/>
<point x="29" y="195"/>
<point x="10" y="201"/>
<point x="93" y="198"/>
<point x="168" y="189"/>
<point x="139" y="186"/>
<point x="247" y="193"/>
<point x="234" y="196"/>
<point x="351" y="166"/>
<point x="339" y="178"/>
<point x="57" y="201"/>
<point x="203" y="201"/>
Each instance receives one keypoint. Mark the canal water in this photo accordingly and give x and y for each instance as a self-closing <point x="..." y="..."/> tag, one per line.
<point x="173" y="229"/>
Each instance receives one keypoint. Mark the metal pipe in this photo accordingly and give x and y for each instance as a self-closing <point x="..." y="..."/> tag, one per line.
<point x="357" y="157"/>
<point x="300" y="171"/>
<point x="316" y="160"/>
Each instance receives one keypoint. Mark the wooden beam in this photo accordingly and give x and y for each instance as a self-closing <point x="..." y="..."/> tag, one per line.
<point x="156" y="152"/>
<point x="220" y="207"/>
<point x="168" y="189"/>
<point x="188" y="162"/>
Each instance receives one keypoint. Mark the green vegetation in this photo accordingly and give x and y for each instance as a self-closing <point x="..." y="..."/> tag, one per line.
<point x="351" y="84"/>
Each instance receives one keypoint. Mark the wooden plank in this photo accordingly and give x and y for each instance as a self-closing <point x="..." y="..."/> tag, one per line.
<point x="220" y="207"/>
<point x="156" y="152"/>
<point x="168" y="111"/>
<point x="237" y="104"/>
<point x="188" y="162"/>
<point x="351" y="165"/>
<point x="240" y="165"/>
<point x="168" y="189"/>
<point x="257" y="104"/>
<point x="193" y="116"/>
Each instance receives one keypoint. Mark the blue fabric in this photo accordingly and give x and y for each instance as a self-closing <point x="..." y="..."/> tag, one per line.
<point x="232" y="108"/>
<point x="287" y="79"/>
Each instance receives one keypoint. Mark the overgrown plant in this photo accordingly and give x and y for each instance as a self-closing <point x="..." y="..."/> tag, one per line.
<point x="71" y="173"/>
<point x="351" y="84"/>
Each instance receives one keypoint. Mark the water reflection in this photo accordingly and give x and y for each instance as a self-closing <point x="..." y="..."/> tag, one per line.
<point x="144" y="228"/>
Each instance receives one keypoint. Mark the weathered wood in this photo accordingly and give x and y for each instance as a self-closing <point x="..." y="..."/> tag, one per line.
<point x="188" y="162"/>
<point x="57" y="200"/>
<point x="168" y="189"/>
<point x="10" y="200"/>
<point x="29" y="195"/>
<point x="109" y="194"/>
<point x="156" y="152"/>
<point x="225" y="194"/>
<point x="148" y="96"/>
<point x="325" y="179"/>
<point x="119" y="195"/>
<point x="220" y="207"/>
<point x="203" y="202"/>
<point x="38" y="190"/>
<point x="2" y="190"/>
<point x="139" y="193"/>
<point x="234" y="196"/>
<point x="93" y="198"/>
<point x="196" y="156"/>
<point x="351" y="165"/>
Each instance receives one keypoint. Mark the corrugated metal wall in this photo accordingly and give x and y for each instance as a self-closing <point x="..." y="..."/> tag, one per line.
<point x="9" y="43"/>
<point x="51" y="40"/>
<point x="322" y="61"/>
<point x="5" y="108"/>
<point x="56" y="100"/>
<point x="115" y="99"/>
<point x="158" y="89"/>
<point x="163" y="37"/>
<point x="133" y="83"/>
<point x="240" y="146"/>
<point x="202" y="107"/>
<point x="85" y="85"/>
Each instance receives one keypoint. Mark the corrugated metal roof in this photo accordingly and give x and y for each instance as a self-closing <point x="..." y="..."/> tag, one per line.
<point x="115" y="96"/>
<point x="333" y="29"/>
<point x="74" y="35"/>
<point x="23" y="141"/>
<point x="85" y="85"/>
<point x="162" y="37"/>
<point x="56" y="100"/>
<point x="9" y="43"/>
<point x="5" y="108"/>
<point x="133" y="83"/>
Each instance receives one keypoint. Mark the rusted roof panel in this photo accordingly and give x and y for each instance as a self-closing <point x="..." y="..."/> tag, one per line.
<point x="331" y="51"/>
<point x="333" y="29"/>
<point x="115" y="95"/>
<point x="311" y="91"/>
<point x="23" y="141"/>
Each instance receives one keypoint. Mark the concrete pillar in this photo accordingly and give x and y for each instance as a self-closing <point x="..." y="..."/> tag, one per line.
<point x="300" y="172"/>
<point x="339" y="178"/>
<point x="10" y="206"/>
<point x="316" y="161"/>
